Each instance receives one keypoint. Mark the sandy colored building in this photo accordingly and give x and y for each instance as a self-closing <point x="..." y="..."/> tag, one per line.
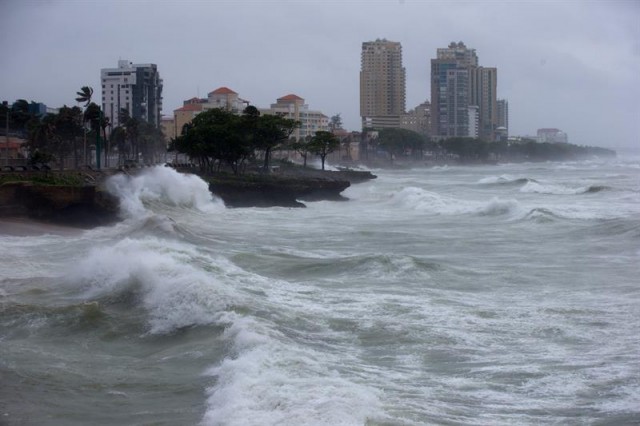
<point x="293" y="107"/>
<point x="382" y="84"/>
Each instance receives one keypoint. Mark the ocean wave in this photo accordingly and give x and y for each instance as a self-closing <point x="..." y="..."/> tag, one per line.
<point x="425" y="201"/>
<point x="163" y="185"/>
<point x="273" y="381"/>
<point x="539" y="188"/>
<point x="541" y="215"/>
<point x="422" y="200"/>
<point x="159" y="276"/>
<point x="504" y="180"/>
<point x="499" y="207"/>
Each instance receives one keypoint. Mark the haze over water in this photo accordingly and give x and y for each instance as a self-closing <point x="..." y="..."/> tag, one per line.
<point x="452" y="295"/>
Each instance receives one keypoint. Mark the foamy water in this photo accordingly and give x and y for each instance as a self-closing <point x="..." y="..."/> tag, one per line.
<point x="453" y="295"/>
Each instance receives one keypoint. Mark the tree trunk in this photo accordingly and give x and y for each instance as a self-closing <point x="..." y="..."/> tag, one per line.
<point x="267" y="154"/>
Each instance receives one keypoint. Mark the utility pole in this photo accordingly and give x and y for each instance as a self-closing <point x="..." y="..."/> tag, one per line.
<point x="6" y="135"/>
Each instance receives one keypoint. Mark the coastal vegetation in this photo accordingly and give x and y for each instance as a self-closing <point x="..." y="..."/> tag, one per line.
<point x="69" y="137"/>
<point x="218" y="138"/>
<point x="394" y="144"/>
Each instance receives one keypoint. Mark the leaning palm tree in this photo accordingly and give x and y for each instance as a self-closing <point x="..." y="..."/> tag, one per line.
<point x="84" y="96"/>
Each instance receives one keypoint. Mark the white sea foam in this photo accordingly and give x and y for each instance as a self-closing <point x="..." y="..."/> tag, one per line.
<point x="174" y="291"/>
<point x="422" y="200"/>
<point x="497" y="206"/>
<point x="162" y="184"/>
<point x="498" y="179"/>
<point x="271" y="382"/>
<point x="545" y="188"/>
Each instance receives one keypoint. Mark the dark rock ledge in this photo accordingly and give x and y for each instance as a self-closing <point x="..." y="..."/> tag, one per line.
<point x="80" y="206"/>
<point x="88" y="204"/>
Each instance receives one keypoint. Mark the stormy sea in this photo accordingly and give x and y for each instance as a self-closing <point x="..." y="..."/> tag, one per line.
<point x="479" y="295"/>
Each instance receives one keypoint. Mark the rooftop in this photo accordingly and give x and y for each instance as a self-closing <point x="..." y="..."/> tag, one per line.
<point x="223" y="91"/>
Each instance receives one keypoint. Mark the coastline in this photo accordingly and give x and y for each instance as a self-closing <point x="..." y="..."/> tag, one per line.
<point x="26" y="202"/>
<point x="20" y="226"/>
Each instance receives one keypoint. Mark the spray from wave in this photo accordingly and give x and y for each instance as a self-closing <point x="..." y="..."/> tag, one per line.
<point x="164" y="185"/>
<point x="418" y="199"/>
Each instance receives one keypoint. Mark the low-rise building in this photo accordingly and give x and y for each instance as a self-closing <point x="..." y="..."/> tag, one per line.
<point x="293" y="107"/>
<point x="551" y="135"/>
<point x="418" y="119"/>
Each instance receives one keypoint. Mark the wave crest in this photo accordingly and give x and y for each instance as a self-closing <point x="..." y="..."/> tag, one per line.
<point x="163" y="185"/>
<point x="538" y="188"/>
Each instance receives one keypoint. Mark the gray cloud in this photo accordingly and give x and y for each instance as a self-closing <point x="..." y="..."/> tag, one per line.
<point x="574" y="65"/>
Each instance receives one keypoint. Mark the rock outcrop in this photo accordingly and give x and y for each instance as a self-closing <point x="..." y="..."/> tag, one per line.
<point x="270" y="191"/>
<point x="82" y="206"/>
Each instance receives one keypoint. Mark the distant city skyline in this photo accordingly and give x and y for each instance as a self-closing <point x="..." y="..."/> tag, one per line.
<point x="578" y="72"/>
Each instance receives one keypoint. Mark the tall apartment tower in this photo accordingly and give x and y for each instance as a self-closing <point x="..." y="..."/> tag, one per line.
<point x="503" y="114"/>
<point x="382" y="84"/>
<point x="451" y="90"/>
<point x="484" y="82"/>
<point x="463" y="94"/>
<point x="134" y="87"/>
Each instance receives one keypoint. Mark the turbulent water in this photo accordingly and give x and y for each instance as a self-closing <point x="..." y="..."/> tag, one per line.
<point x="489" y="295"/>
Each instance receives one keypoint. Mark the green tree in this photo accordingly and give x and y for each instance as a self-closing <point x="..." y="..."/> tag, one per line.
<point x="401" y="142"/>
<point x="215" y="137"/>
<point x="119" y="139"/>
<point x="322" y="144"/>
<point x="68" y="130"/>
<point x="20" y="116"/>
<point x="40" y="135"/>
<point x="84" y="96"/>
<point x="335" y="122"/>
<point x="129" y="150"/>
<point x="301" y="147"/>
<point x="467" y="149"/>
<point x="272" y="130"/>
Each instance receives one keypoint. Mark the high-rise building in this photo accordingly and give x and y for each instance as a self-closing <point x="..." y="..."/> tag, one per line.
<point x="483" y="85"/>
<point x="451" y="91"/>
<point x="382" y="84"/>
<point x="458" y="83"/>
<point x="503" y="114"/>
<point x="134" y="87"/>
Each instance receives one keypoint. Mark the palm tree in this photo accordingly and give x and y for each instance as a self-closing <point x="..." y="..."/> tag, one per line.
<point x="84" y="95"/>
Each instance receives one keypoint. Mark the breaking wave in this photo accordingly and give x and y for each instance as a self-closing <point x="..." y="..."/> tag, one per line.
<point x="504" y="180"/>
<point x="161" y="185"/>
<point x="539" y="188"/>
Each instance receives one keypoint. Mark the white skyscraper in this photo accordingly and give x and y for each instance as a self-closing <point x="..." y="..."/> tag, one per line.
<point x="134" y="87"/>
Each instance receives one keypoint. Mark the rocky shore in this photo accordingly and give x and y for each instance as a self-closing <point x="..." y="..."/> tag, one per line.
<point x="85" y="203"/>
<point x="284" y="188"/>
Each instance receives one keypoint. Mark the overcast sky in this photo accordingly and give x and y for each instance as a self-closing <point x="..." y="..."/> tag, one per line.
<point x="574" y="65"/>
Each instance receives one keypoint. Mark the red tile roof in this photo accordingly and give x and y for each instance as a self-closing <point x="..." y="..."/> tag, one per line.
<point x="291" y="97"/>
<point x="223" y="91"/>
<point x="190" y="107"/>
<point x="194" y="100"/>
